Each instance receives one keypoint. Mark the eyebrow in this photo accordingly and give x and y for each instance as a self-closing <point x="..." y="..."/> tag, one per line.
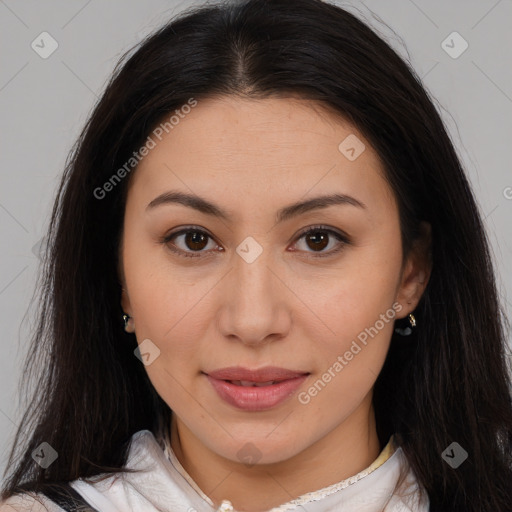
<point x="292" y="210"/>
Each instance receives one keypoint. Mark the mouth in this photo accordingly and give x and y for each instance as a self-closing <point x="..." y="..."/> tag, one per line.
<point x="248" y="383"/>
<point x="255" y="390"/>
<point x="245" y="376"/>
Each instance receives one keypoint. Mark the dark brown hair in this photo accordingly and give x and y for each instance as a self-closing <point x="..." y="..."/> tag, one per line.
<point x="448" y="382"/>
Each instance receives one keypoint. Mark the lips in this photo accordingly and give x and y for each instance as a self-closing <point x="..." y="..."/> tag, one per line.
<point x="255" y="390"/>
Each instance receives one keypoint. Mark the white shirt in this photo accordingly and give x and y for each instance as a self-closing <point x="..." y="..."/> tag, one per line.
<point x="165" y="486"/>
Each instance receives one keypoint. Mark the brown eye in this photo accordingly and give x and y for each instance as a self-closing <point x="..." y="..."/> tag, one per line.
<point x="192" y="241"/>
<point x="317" y="238"/>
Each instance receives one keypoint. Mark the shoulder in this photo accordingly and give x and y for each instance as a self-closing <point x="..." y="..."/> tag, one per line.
<point x="112" y="491"/>
<point x="29" y="502"/>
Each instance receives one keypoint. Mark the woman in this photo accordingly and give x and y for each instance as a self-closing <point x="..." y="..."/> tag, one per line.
<point x="267" y="286"/>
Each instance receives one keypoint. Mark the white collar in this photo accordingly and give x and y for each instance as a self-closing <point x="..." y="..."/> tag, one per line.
<point x="163" y="485"/>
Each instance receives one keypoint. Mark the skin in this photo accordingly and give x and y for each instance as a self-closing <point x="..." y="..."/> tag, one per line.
<point x="288" y="308"/>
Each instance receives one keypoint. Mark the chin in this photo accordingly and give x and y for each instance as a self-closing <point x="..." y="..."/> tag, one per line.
<point x="252" y="451"/>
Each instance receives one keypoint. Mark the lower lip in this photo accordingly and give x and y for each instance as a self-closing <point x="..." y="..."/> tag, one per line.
<point x="253" y="398"/>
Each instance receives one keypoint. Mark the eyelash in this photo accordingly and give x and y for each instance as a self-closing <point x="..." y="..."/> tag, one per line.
<point x="313" y="229"/>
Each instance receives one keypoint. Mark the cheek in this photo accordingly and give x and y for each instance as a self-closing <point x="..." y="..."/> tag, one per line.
<point x="354" y="304"/>
<point x="357" y="291"/>
<point x="163" y="303"/>
<point x="357" y="320"/>
<point x="166" y="312"/>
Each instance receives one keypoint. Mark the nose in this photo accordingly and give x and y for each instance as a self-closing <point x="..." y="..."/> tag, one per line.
<point x="255" y="306"/>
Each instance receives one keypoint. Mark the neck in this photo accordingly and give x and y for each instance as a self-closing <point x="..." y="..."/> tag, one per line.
<point x="345" y="451"/>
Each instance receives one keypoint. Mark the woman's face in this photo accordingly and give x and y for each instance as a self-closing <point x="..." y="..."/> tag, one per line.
<point x="249" y="289"/>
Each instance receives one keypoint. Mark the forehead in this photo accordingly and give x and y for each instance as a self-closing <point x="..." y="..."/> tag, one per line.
<point x="283" y="146"/>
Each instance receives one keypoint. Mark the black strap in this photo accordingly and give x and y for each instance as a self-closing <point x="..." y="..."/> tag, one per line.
<point x="67" y="498"/>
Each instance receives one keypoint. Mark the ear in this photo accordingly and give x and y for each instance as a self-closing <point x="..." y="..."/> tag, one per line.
<point x="125" y="301"/>
<point x="125" y="298"/>
<point x="416" y="271"/>
<point x="127" y="308"/>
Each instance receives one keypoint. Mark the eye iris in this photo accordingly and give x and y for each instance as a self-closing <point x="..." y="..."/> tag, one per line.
<point x="320" y="240"/>
<point x="194" y="239"/>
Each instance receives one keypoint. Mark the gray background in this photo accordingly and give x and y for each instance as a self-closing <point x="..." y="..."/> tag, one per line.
<point x="45" y="102"/>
